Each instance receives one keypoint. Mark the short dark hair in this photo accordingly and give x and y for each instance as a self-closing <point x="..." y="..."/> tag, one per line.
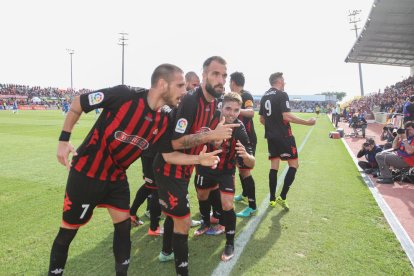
<point x="274" y="77"/>
<point x="412" y="99"/>
<point x="164" y="71"/>
<point x="232" y="97"/>
<point x="190" y="75"/>
<point x="370" y="141"/>
<point x="238" y="78"/>
<point x="211" y="59"/>
<point x="409" y="124"/>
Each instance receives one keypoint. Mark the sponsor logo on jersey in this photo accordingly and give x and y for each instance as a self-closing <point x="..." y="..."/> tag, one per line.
<point x="95" y="98"/>
<point x="148" y="118"/>
<point x="248" y="103"/>
<point x="131" y="139"/>
<point x="181" y="125"/>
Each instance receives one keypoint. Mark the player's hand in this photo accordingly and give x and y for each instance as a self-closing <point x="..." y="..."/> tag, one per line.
<point x="241" y="150"/>
<point x="209" y="159"/>
<point x="63" y="151"/>
<point x="223" y="131"/>
<point x="311" y="121"/>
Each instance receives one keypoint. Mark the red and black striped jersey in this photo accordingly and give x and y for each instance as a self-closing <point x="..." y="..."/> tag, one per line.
<point x="248" y="102"/>
<point x="126" y="128"/>
<point x="272" y="106"/>
<point x="228" y="156"/>
<point x="193" y="115"/>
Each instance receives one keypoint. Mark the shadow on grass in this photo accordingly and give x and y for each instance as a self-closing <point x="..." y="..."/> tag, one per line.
<point x="258" y="245"/>
<point x="97" y="256"/>
<point x="98" y="259"/>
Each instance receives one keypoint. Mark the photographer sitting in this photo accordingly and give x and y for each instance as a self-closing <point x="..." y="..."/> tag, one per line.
<point x="370" y="150"/>
<point x="388" y="134"/>
<point x="358" y="121"/>
<point x="403" y="157"/>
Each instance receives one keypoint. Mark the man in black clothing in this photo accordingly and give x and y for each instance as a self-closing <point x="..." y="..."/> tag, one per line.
<point x="132" y="121"/>
<point x="191" y="131"/>
<point x="237" y="149"/>
<point x="276" y="116"/>
<point x="147" y="191"/>
<point x="237" y="81"/>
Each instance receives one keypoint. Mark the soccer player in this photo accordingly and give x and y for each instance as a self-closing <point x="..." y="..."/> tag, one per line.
<point x="191" y="131"/>
<point x="131" y="122"/>
<point x="276" y="116"/>
<point x="148" y="190"/>
<point x="237" y="81"/>
<point x="237" y="147"/>
<point x="192" y="81"/>
<point x="15" y="107"/>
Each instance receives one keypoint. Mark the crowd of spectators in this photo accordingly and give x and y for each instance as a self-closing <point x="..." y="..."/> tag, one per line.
<point x="26" y="95"/>
<point x="392" y="100"/>
<point x="37" y="91"/>
<point x="307" y="106"/>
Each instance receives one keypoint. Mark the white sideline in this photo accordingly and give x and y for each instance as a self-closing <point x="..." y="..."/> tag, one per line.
<point x="392" y="220"/>
<point x="224" y="268"/>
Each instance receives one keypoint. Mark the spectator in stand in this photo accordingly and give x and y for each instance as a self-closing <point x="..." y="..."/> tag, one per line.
<point x="369" y="150"/>
<point x="409" y="110"/>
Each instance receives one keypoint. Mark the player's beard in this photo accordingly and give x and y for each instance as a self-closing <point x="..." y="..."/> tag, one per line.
<point x="169" y="99"/>
<point x="213" y="92"/>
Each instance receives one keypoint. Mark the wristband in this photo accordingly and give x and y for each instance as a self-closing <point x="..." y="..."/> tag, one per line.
<point x="64" y="136"/>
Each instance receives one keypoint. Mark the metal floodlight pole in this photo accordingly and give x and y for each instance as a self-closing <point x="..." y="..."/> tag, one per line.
<point x="122" y="40"/>
<point x="71" y="52"/>
<point x="353" y="20"/>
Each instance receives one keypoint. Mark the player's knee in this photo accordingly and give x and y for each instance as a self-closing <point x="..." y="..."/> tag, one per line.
<point x="244" y="173"/>
<point x="227" y="205"/>
<point x="182" y="226"/>
<point x="202" y="194"/>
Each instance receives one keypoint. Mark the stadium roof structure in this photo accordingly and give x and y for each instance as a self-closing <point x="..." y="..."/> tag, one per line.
<point x="388" y="35"/>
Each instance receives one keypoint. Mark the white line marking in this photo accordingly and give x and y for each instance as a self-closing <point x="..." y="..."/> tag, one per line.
<point x="392" y="220"/>
<point x="224" y="268"/>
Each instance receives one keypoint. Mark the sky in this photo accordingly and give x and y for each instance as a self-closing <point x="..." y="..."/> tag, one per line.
<point x="306" y="40"/>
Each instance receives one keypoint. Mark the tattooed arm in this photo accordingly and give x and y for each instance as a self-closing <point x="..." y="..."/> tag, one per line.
<point x="222" y="132"/>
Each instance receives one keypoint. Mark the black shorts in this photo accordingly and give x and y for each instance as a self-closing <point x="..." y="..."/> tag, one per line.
<point x="243" y="166"/>
<point x="83" y="194"/>
<point x="317" y="112"/>
<point x="283" y="148"/>
<point x="225" y="182"/>
<point x="148" y="172"/>
<point x="173" y="196"/>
